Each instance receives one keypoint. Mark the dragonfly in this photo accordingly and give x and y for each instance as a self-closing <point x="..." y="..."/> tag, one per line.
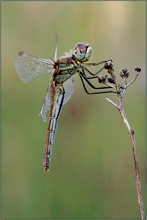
<point x="61" y="85"/>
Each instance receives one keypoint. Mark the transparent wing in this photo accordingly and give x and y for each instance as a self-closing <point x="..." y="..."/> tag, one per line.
<point x="69" y="89"/>
<point x="56" y="50"/>
<point x="46" y="104"/>
<point x="29" y="67"/>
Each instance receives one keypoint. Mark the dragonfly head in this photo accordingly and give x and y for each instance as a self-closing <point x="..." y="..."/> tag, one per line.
<point x="82" y="52"/>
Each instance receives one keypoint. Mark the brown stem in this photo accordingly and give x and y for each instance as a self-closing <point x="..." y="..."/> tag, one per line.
<point x="136" y="167"/>
<point x="120" y="108"/>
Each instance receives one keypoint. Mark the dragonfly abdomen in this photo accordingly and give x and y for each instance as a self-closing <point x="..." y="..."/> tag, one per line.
<point x="54" y="114"/>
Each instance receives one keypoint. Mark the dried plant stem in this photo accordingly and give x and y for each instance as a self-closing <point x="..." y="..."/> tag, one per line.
<point x="136" y="167"/>
<point x="120" y="93"/>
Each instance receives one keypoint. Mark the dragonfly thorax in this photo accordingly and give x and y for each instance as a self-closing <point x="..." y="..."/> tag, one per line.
<point x="82" y="52"/>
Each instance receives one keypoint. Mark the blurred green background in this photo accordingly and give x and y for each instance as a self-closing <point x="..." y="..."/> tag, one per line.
<point x="92" y="171"/>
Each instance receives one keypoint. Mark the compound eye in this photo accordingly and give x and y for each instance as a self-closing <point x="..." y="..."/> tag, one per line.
<point x="80" y="51"/>
<point x="81" y="47"/>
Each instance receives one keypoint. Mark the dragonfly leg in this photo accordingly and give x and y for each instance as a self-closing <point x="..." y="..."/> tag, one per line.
<point x="83" y="77"/>
<point x="93" y="74"/>
<point x="95" y="64"/>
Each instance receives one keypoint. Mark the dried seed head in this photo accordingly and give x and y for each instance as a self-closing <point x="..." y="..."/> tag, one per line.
<point x="110" y="79"/>
<point x="124" y="73"/>
<point x="102" y="78"/>
<point x="108" y="64"/>
<point x="138" y="69"/>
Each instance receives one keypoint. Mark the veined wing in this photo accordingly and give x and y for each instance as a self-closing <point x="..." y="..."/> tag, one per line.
<point x="69" y="89"/>
<point x="68" y="86"/>
<point x="29" y="67"/>
<point x="56" y="49"/>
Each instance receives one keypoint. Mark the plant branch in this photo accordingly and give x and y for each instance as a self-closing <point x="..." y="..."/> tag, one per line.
<point x="124" y="73"/>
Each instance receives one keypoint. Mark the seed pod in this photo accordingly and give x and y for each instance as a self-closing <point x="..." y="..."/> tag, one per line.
<point x="124" y="73"/>
<point x="138" y="69"/>
<point x="108" y="64"/>
<point x="102" y="78"/>
<point x="110" y="79"/>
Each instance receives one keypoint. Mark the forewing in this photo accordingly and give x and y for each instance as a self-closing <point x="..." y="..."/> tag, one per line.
<point x="56" y="50"/>
<point x="29" y="67"/>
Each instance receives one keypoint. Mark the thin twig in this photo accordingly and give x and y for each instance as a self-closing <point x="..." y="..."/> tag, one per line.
<point x="124" y="73"/>
<point x="137" y="174"/>
<point x="136" y="76"/>
<point x="109" y="100"/>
